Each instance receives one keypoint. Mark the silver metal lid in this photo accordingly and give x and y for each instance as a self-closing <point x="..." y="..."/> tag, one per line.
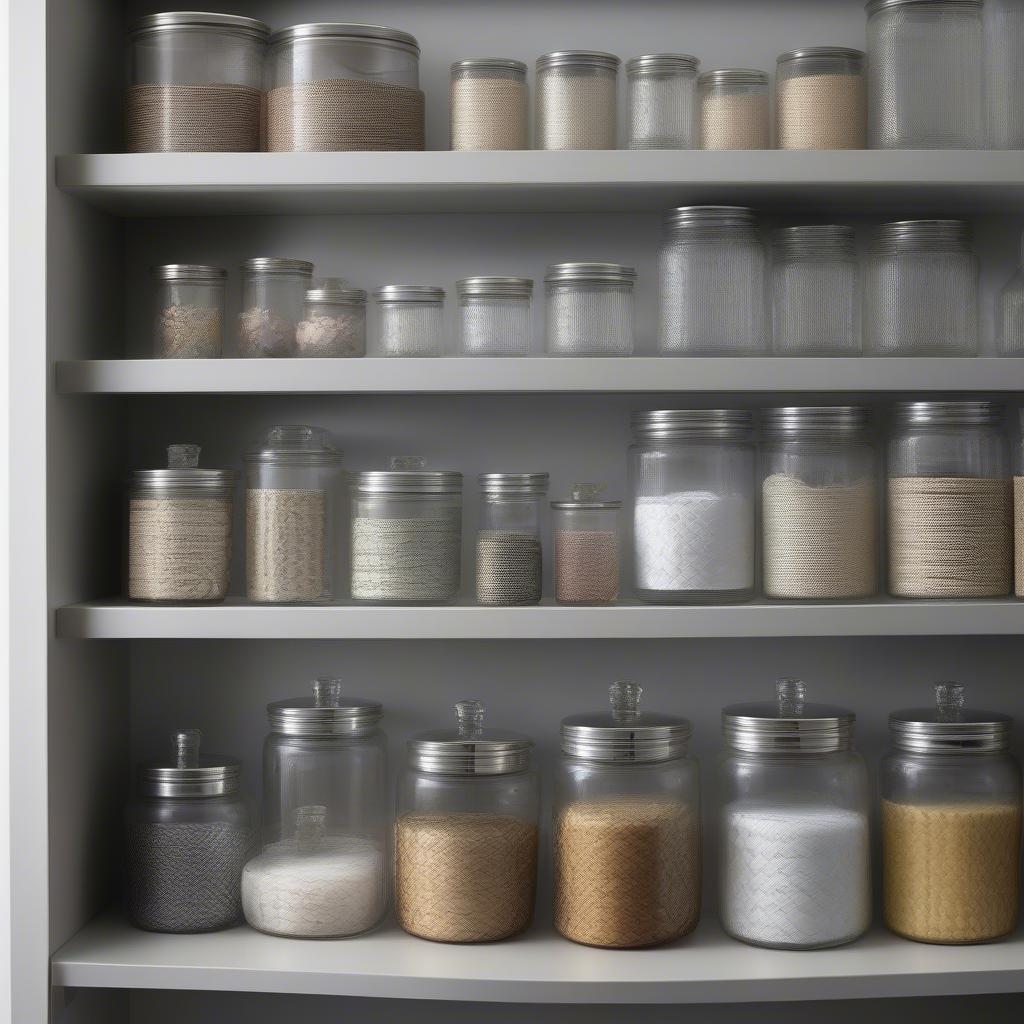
<point x="874" y="6"/>
<point x="188" y="775"/>
<point x="469" y="749"/>
<point x="409" y="293"/>
<point x="325" y="713"/>
<point x="183" y="474"/>
<point x="733" y="76"/>
<point x="587" y="498"/>
<point x="489" y="64"/>
<point x="189" y="272"/>
<point x="958" y="414"/>
<point x="407" y="476"/>
<point x="296" y="445"/>
<point x="816" y="52"/>
<point x="923" y="236"/>
<point x="626" y="734"/>
<point x="690" y="216"/>
<point x="682" y="424"/>
<point x="595" y="273"/>
<point x="336" y="290"/>
<point x="818" y="241"/>
<point x="341" y="30"/>
<point x="788" y="725"/>
<point x="277" y="265"/>
<point x="662" y="63"/>
<point x="514" y="485"/>
<point x="198" y="19"/>
<point x="803" y="420"/>
<point x="510" y="286"/>
<point x="949" y="727"/>
<point x="578" y="58"/>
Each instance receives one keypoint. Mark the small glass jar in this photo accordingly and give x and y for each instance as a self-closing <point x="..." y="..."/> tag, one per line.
<point x="925" y="74"/>
<point x="179" y="530"/>
<point x="334" y="324"/>
<point x="1018" y="512"/>
<point x="794" y="850"/>
<point x="494" y="316"/>
<point x="586" y="543"/>
<point x="293" y="482"/>
<point x="188" y="834"/>
<point x="951" y="822"/>
<point x="576" y="100"/>
<point x="466" y="833"/>
<point x="489" y="104"/>
<point x="712" y="283"/>
<point x="734" y="109"/>
<point x="410" y="320"/>
<point x="626" y="829"/>
<point x="337" y="87"/>
<point x="406" y="534"/>
<point x="663" y="101"/>
<point x="921" y="290"/>
<point x="820" y="99"/>
<point x="273" y="295"/>
<point x="1004" y="48"/>
<point x="589" y="309"/>
<point x="195" y="83"/>
<point x="1010" y="312"/>
<point x="189" y="311"/>
<point x="322" y="872"/>
<point x="950" y="510"/>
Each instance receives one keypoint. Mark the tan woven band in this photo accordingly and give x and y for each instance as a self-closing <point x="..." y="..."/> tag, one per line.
<point x="193" y="119"/>
<point x="488" y="113"/>
<point x="285" y="544"/>
<point x="821" y="112"/>
<point x="1018" y="534"/>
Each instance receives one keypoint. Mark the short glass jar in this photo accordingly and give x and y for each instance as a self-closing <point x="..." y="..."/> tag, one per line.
<point x="334" y="323"/>
<point x="495" y="316"/>
<point x="586" y="534"/>
<point x="466" y="833"/>
<point x="189" y="311"/>
<point x="1004" y="49"/>
<point x="626" y="830"/>
<point x="489" y="104"/>
<point x="821" y="99"/>
<point x="576" y="100"/>
<point x="1010" y="312"/>
<point x="663" y="101"/>
<point x="410" y="320"/>
<point x="273" y="296"/>
<point x="734" y="109"/>
<point x="951" y="823"/>
<point x="589" y="309"/>
<point x="794" y="851"/>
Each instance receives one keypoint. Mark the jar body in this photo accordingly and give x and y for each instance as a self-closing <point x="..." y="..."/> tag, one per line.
<point x="589" y="318"/>
<point x="586" y="551"/>
<point x="1018" y="521"/>
<point x="495" y="325"/>
<point x="410" y="328"/>
<point x="816" y="305"/>
<point x="509" y="553"/>
<point x="331" y="330"/>
<point x="1010" y="316"/>
<point x="821" y="101"/>
<point x="663" y="109"/>
<point x="1004" y="46"/>
<point x="189" y="318"/>
<point x="273" y="303"/>
<point x="734" y="111"/>
<point x="576" y="106"/>
<point x="488" y="107"/>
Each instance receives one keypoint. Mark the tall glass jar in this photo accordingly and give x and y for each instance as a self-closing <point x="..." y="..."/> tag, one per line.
<point x="1018" y="512"/>
<point x="488" y="104"/>
<point x="712" y="283"/>
<point x="1010" y="312"/>
<point x="334" y="324"/>
<point x="692" y="476"/>
<point x="951" y="823"/>
<point x="794" y="854"/>
<point x="323" y="869"/>
<point x="189" y="311"/>
<point x="576" y="100"/>
<point x="819" y="503"/>
<point x="663" y="101"/>
<point x="273" y="296"/>
<point x="626" y="829"/>
<point x="495" y="316"/>
<point x="734" y="109"/>
<point x="586" y="543"/>
<point x="466" y="834"/>
<point x="820" y="99"/>
<point x="410" y="320"/>
<point x="589" y="310"/>
<point x="950" y="510"/>
<point x="292" y="505"/>
<point x="1004" y="48"/>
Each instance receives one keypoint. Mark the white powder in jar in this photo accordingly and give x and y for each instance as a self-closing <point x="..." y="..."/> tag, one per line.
<point x="338" y="335"/>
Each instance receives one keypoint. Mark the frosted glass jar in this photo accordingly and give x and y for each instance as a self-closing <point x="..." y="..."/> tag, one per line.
<point x="189" y="314"/>
<point x="495" y="316"/>
<point x="820" y="99"/>
<point x="334" y="324"/>
<point x="662" y="90"/>
<point x="1010" y="312"/>
<point x="734" y="109"/>
<point x="410" y="320"/>
<point x="488" y="104"/>
<point x="589" y="309"/>
<point x="576" y="100"/>
<point x="692" y="476"/>
<point x="586" y="533"/>
<point x="1004" y="36"/>
<point x="273" y="297"/>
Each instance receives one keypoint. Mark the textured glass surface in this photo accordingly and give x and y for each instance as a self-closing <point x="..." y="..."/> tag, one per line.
<point x="410" y="328"/>
<point x="1011" y="317"/>
<point x="1004" y="23"/>
<point x="816" y="308"/>
<point x="495" y="325"/>
<point x="576" y="108"/>
<point x="589" y="320"/>
<point x="663" y="111"/>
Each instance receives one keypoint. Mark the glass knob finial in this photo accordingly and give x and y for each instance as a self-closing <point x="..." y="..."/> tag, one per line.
<point x="471" y="718"/>
<point x="408" y="462"/>
<point x="949" y="701"/>
<point x="791" y="694"/>
<point x="182" y="456"/>
<point x="625" y="701"/>
<point x="326" y="692"/>
<point x="186" y="748"/>
<point x="587" y="492"/>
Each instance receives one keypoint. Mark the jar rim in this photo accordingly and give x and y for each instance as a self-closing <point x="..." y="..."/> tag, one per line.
<point x="760" y="728"/>
<point x="686" y="424"/>
<point x="408" y="293"/>
<point x="578" y="58"/>
<point x="405" y="481"/>
<point x="597" y="273"/>
<point x="169" y="20"/>
<point x="506" y="286"/>
<point x="511" y="485"/>
<point x="347" y="30"/>
<point x="489" y="64"/>
<point x="733" y="76"/>
<point x="979" y="413"/>
<point x="210" y="481"/>
<point x="977" y="732"/>
<point x="795" y="420"/>
<point x="217" y="777"/>
<point x="813" y="52"/>
<point x="342" y="296"/>
<point x="491" y="752"/>
<point x="690" y="216"/>
<point x="189" y="272"/>
<point x="653" y="63"/>
<point x="302" y="716"/>
<point x="277" y="265"/>
<point x="874" y="6"/>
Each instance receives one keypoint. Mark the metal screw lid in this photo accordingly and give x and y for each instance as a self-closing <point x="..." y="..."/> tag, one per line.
<point x="498" y="286"/>
<point x="818" y="52"/>
<point x="198" y="19"/>
<point x="817" y="241"/>
<point x="874" y="6"/>
<point x="956" y="414"/>
<point x="182" y="474"/>
<point x="469" y="749"/>
<point x="662" y="63"/>
<point x="693" y="424"/>
<point x="950" y="727"/>
<point x="587" y="498"/>
<point x="325" y="713"/>
<point x="407" y="476"/>
<point x="514" y="485"/>
<point x="392" y="37"/>
<point x="277" y="265"/>
<point x="335" y="290"/>
<point x="927" y="236"/>
<point x="296" y="445"/>
<point x="578" y="58"/>
<point x="733" y="77"/>
<point x="188" y="775"/>
<point x="795" y="421"/>
<point x="595" y="273"/>
<point x="189" y="272"/>
<point x="489" y="64"/>
<point x="409" y="293"/>
<point x="709" y="216"/>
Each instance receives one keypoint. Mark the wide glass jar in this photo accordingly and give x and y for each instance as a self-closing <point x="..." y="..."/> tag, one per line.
<point x="339" y="87"/>
<point x="1004" y="49"/>
<point x="293" y="482"/>
<point x="410" y="320"/>
<point x="466" y="833"/>
<point x="322" y="872"/>
<point x="794" y="852"/>
<point x="195" y="83"/>
<point x="1010" y="312"/>
<point x="273" y="296"/>
<point x="626" y="829"/>
<point x="951" y="823"/>
<point x="950" y="509"/>
<point x="188" y="834"/>
<point x="662" y="91"/>
<point x="820" y="99"/>
<point x="576" y="100"/>
<point x="189" y="313"/>
<point x="586" y="534"/>
<point x="589" y="309"/>
<point x="334" y="324"/>
<point x="488" y="104"/>
<point x="734" y="109"/>
<point x="495" y="316"/>
<point x="692" y="476"/>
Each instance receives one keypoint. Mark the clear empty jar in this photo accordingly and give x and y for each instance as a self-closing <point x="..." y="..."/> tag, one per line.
<point x="712" y="283"/>
<point x="189" y="311"/>
<point x="273" y="300"/>
<point x="921" y="290"/>
<point x="734" y="109"/>
<point x="1004" y="48"/>
<point x="410" y="320"/>
<point x="576" y="100"/>
<point x="1010" y="312"/>
<point x="334" y="324"/>
<point x="494" y="316"/>
<point x="589" y="309"/>
<point x="489" y="104"/>
<point x="663" y="101"/>
<point x="925" y="74"/>
<point x="820" y="99"/>
<point x="586" y="544"/>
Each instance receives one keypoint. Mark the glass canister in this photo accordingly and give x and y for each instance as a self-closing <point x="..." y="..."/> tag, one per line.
<point x="466" y="834"/>
<point x="921" y="290"/>
<point x="489" y="104"/>
<point x="925" y="74"/>
<point x="195" y="83"/>
<point x="406" y="533"/>
<point x="1004" y="49"/>
<point x="951" y="822"/>
<point x="712" y="283"/>
<point x="292" y="507"/>
<point x="821" y="99"/>
<point x="734" y="109"/>
<point x="179" y="530"/>
<point x="950" y="508"/>
<point x="410" y="320"/>
<point x="273" y="296"/>
<point x="322" y="872"/>
<point x="1010" y="312"/>
<point x="188" y="834"/>
<point x="794" y="851"/>
<point x="334" y="322"/>
<point x="626" y="829"/>
<point x="576" y="100"/>
<point x="589" y="309"/>
<point x="1018" y="513"/>
<point x="692" y="476"/>
<point x="586" y="543"/>
<point x="663" y="101"/>
<point x="494" y="316"/>
<point x="189" y="311"/>
<point x="336" y="87"/>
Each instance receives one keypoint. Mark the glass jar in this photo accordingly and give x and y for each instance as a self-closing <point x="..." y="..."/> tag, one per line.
<point x="336" y="87"/>
<point x="188" y="834"/>
<point x="179" y="530"/>
<point x="820" y="99"/>
<point x="734" y="109"/>
<point x="794" y="851"/>
<point x="576" y="100"/>
<point x="494" y="316"/>
<point x="322" y="872"/>
<point x="1004" y="48"/>
<point x="410" y="320"/>
<point x="925" y="74"/>
<point x="1018" y="513"/>
<point x="692" y="476"/>
<point x="950" y="507"/>
<point x="189" y="311"/>
<point x="273" y="293"/>
<point x="195" y="83"/>
<point x="489" y="104"/>
<point x="466" y="833"/>
<point x="626" y="829"/>
<point x="1010" y="312"/>
<point x="819" y="503"/>
<point x="951" y="820"/>
<point x="292" y="505"/>
<point x="334" y="324"/>
<point x="586" y="543"/>
<point x="663" y="101"/>
<point x="406" y="533"/>
<point x="921" y="290"/>
<point x="589" y="309"/>
<point x="712" y="283"/>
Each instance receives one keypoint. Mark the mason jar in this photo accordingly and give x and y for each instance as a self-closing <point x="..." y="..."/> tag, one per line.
<point x="589" y="309"/>
<point x="495" y="316"/>
<point x="488" y="104"/>
<point x="273" y="296"/>
<point x="1004" y="49"/>
<point x="1010" y="312"/>
<point x="820" y="99"/>
<point x="189" y="314"/>
<point x="734" y="109"/>
<point x="586" y="534"/>
<point x="410" y="320"/>
<point x="576" y="100"/>
<point x="334" y="322"/>
<point x="663" y="101"/>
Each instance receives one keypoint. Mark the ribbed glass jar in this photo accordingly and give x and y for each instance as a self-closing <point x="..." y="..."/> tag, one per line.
<point x="1010" y="312"/>
<point x="410" y="320"/>
<point x="576" y="100"/>
<point x="489" y="104"/>
<point x="820" y="99"/>
<point x="734" y="109"/>
<point x="589" y="309"/>
<point x="1004" y="35"/>
<point x="586" y="541"/>
<point x="273" y="300"/>
<point x="495" y="316"/>
<point x="662" y="90"/>
<point x="334" y="324"/>
<point x="189" y="314"/>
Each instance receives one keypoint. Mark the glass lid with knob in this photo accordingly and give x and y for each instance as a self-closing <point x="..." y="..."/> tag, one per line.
<point x="295" y="444"/>
<point x="183" y="473"/>
<point x="187" y="774"/>
<point x="408" y="474"/>
<point x="950" y="727"/>
<point x="469" y="748"/>
<point x="587" y="497"/>
<point x="327" y="712"/>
